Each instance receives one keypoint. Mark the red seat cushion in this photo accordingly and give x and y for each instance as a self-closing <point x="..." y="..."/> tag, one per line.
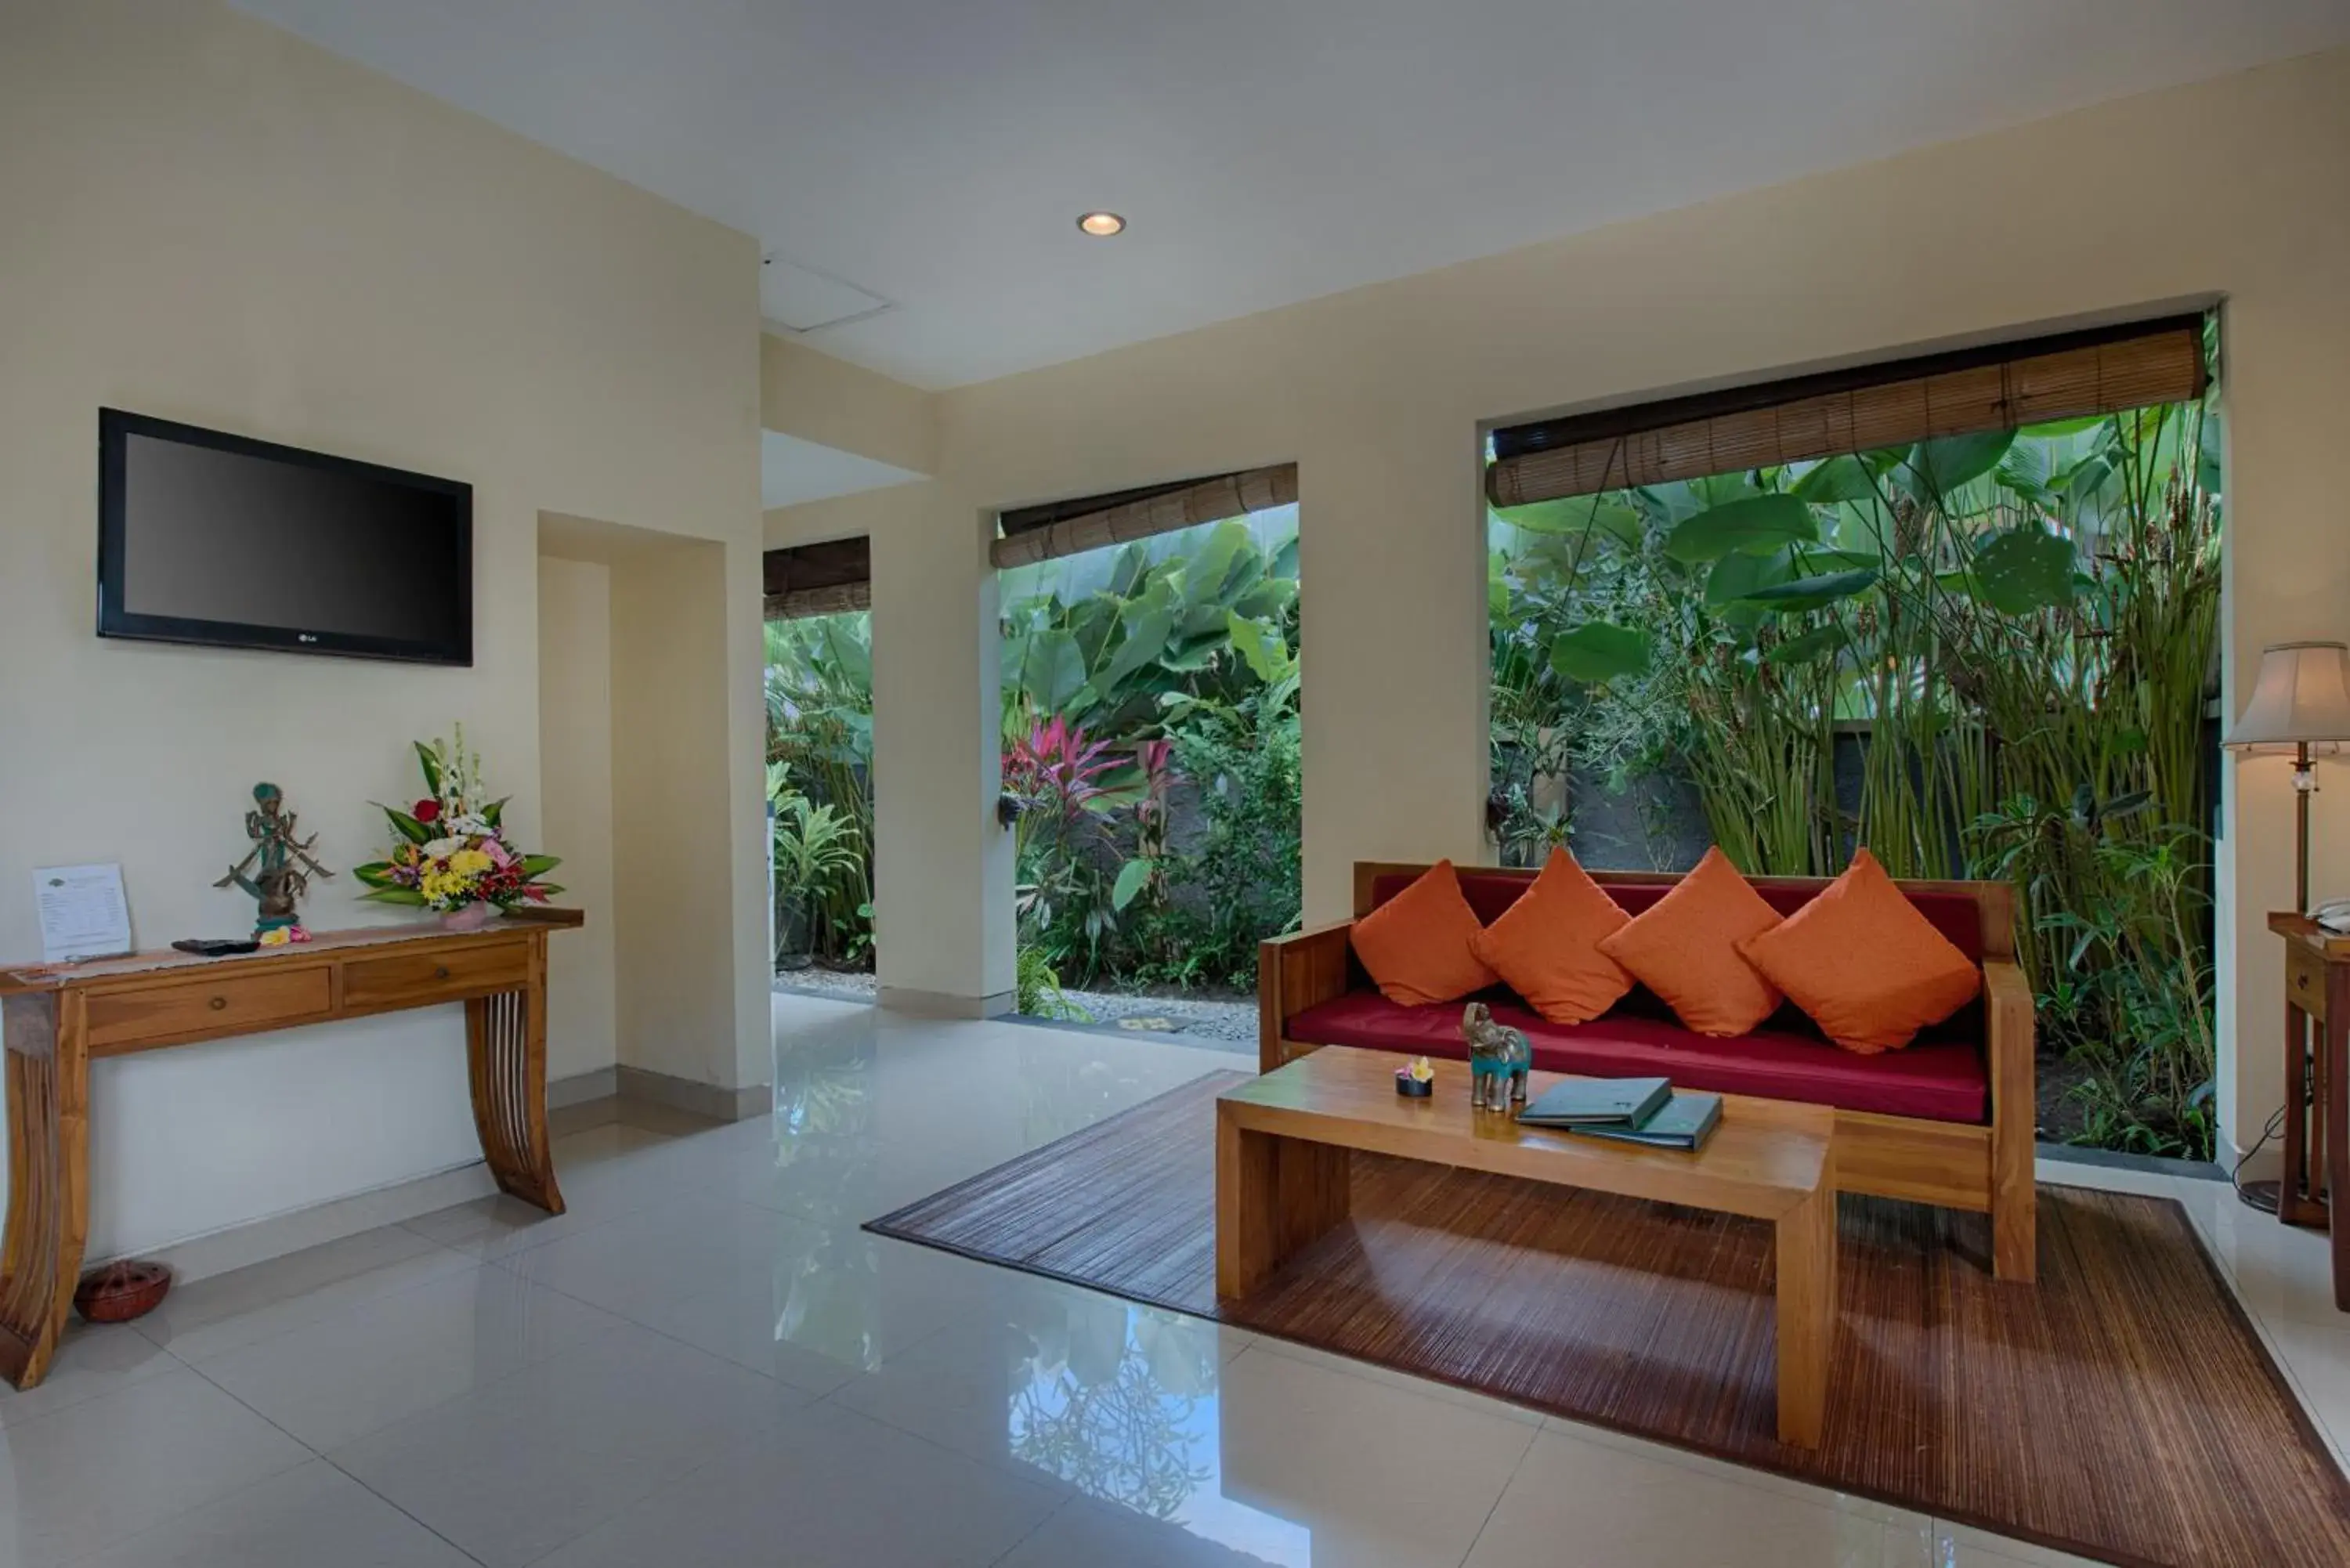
<point x="1941" y="1080"/>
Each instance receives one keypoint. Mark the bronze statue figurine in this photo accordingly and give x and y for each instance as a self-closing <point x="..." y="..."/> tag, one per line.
<point x="280" y="863"/>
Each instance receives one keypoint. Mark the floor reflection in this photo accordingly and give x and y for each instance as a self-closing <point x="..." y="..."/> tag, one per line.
<point x="829" y="1298"/>
<point x="1117" y="1401"/>
<point x="1120" y="1402"/>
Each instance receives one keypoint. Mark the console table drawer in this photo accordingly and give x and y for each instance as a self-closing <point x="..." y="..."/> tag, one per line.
<point x="224" y="1005"/>
<point x="411" y="978"/>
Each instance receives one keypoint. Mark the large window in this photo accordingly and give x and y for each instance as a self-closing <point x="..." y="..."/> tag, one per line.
<point x="1988" y="654"/>
<point x="1150" y="739"/>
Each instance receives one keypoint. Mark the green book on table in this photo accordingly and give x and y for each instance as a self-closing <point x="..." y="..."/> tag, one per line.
<point x="1598" y="1102"/>
<point x="1684" y="1121"/>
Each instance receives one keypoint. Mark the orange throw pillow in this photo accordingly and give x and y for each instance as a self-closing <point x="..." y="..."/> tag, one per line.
<point x="1415" y="945"/>
<point x="1684" y="947"/>
<point x="1864" y="963"/>
<point x="1547" y="945"/>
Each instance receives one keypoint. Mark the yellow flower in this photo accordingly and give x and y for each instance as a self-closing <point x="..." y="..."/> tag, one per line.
<point x="469" y="863"/>
<point x="443" y="884"/>
<point x="277" y="938"/>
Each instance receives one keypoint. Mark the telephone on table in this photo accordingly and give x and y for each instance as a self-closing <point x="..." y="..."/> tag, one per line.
<point x="2334" y="915"/>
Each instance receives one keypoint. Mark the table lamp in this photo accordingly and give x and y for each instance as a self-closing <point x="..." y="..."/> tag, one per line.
<point x="2302" y="699"/>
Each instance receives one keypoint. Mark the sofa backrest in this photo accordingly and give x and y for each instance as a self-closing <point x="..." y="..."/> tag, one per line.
<point x="1977" y="917"/>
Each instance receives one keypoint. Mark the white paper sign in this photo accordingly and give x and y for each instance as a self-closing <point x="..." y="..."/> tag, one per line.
<point x="83" y="912"/>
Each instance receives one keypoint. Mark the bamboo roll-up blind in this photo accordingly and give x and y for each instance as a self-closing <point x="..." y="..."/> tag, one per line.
<point x="2076" y="376"/>
<point x="801" y="603"/>
<point x="1069" y="528"/>
<point x="829" y="577"/>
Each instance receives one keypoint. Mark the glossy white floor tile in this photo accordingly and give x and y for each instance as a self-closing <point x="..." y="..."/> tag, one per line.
<point x="512" y="1472"/>
<point x="707" y="1361"/>
<point x="1086" y="1534"/>
<point x="228" y="1310"/>
<point x="90" y="1361"/>
<point x="313" y="1513"/>
<point x="108" y="1468"/>
<point x="1956" y="1546"/>
<point x="340" y="1377"/>
<point x="826" y="1488"/>
<point x="1376" y="1473"/>
<point x="828" y="1305"/>
<point x="1619" y="1506"/>
<point x="1089" y="1391"/>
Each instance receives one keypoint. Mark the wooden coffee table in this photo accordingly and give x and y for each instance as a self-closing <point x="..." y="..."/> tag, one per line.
<point x="1283" y="1141"/>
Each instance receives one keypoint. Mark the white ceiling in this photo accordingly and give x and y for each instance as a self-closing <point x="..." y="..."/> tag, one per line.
<point x="792" y="471"/>
<point x="934" y="154"/>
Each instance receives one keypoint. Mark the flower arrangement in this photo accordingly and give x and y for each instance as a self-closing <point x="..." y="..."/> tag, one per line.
<point x="452" y="854"/>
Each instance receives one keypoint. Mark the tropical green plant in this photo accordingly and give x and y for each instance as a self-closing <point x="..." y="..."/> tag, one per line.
<point x="1055" y="772"/>
<point x="2128" y="990"/>
<point x="816" y="846"/>
<point x="819" y="695"/>
<point x="1882" y="649"/>
<point x="1038" y="993"/>
<point x="1244" y="878"/>
<point x="1154" y="651"/>
<point x="1105" y="644"/>
<point x="1144" y="875"/>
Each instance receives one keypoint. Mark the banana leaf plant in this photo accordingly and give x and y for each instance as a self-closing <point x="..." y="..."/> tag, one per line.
<point x="1200" y="621"/>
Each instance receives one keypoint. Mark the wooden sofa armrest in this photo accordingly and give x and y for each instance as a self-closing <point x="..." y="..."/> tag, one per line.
<point x="1294" y="973"/>
<point x="2009" y="1049"/>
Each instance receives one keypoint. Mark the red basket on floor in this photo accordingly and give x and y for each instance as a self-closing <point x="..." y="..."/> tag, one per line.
<point x="117" y="1293"/>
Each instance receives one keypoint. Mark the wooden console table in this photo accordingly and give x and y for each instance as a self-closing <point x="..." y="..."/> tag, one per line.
<point x="2317" y="1083"/>
<point x="57" y="1017"/>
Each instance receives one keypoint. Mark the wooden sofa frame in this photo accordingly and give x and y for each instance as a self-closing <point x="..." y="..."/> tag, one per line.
<point x="1983" y="1170"/>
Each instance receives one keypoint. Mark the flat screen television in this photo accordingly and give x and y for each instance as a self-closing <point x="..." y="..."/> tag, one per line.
<point x="213" y="538"/>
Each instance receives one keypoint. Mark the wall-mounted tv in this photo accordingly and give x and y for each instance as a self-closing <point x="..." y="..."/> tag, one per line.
<point x="213" y="538"/>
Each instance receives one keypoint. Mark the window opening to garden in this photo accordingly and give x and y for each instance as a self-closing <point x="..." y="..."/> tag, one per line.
<point x="1150" y="730"/>
<point x="819" y="690"/>
<point x="1962" y="610"/>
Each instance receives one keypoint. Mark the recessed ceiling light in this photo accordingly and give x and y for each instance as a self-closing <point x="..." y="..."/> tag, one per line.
<point x="1101" y="225"/>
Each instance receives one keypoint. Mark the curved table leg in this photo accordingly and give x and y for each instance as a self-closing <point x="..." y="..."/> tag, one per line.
<point x="48" y="1181"/>
<point x="505" y="1048"/>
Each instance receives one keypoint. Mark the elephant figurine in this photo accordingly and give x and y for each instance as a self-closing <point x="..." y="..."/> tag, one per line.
<point x="1499" y="1058"/>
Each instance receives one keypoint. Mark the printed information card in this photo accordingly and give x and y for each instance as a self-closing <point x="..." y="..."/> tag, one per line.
<point x="83" y="912"/>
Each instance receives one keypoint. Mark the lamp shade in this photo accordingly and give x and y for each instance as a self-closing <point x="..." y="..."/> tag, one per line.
<point x="2302" y="694"/>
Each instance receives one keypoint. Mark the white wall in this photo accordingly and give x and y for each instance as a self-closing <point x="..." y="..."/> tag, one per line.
<point x="675" y="868"/>
<point x="944" y="864"/>
<point x="208" y="220"/>
<point x="846" y="407"/>
<point x="2232" y="189"/>
<point x="575" y="754"/>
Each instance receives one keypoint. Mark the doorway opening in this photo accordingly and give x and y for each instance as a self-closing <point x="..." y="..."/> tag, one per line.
<point x="819" y="697"/>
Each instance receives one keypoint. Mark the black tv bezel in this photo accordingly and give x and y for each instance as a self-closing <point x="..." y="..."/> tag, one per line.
<point x="114" y="620"/>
